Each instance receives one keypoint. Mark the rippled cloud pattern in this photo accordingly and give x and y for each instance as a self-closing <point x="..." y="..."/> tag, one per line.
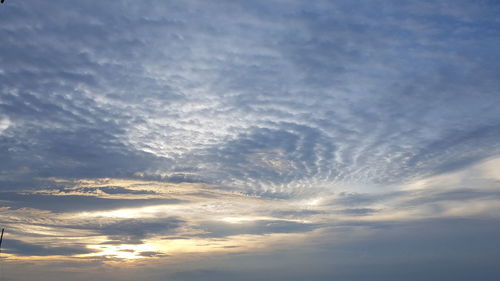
<point x="281" y="139"/>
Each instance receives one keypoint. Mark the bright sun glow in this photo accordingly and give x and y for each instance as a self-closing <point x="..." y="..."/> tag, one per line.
<point x="122" y="251"/>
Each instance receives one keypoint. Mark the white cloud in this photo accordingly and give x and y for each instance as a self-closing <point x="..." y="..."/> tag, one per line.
<point x="5" y="123"/>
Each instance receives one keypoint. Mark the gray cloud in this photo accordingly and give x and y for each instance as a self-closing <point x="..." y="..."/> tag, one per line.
<point x="458" y="195"/>
<point x="400" y="250"/>
<point x="134" y="230"/>
<point x="30" y="249"/>
<point x="75" y="203"/>
<point x="359" y="211"/>
<point x="409" y="198"/>
<point x="221" y="229"/>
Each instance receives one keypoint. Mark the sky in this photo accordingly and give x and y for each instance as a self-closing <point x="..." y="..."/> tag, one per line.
<point x="253" y="140"/>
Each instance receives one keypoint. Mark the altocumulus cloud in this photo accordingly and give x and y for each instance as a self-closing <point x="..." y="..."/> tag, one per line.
<point x="278" y="98"/>
<point x="215" y="126"/>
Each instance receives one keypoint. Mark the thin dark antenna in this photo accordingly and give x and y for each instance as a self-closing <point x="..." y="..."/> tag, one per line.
<point x="1" y="238"/>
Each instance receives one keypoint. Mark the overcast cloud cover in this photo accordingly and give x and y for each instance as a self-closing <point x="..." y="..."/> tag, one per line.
<point x="250" y="140"/>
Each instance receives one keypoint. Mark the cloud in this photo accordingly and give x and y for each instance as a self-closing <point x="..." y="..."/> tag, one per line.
<point x="4" y="123"/>
<point x="133" y="230"/>
<point x="380" y="252"/>
<point x="150" y="254"/>
<point x="121" y="190"/>
<point x="363" y="134"/>
<point x="75" y="203"/>
<point x="260" y="227"/>
<point x="459" y="195"/>
<point x="21" y="248"/>
<point x="278" y="98"/>
<point x="359" y="211"/>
